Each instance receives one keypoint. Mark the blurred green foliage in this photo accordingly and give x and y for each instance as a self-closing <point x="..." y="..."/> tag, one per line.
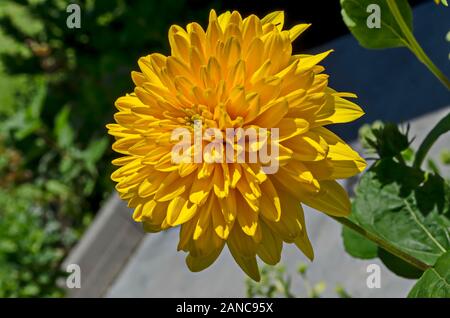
<point x="32" y="244"/>
<point x="276" y="282"/>
<point x="57" y="90"/>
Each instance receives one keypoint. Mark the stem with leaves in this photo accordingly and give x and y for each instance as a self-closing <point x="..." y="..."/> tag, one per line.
<point x="414" y="46"/>
<point x="387" y="246"/>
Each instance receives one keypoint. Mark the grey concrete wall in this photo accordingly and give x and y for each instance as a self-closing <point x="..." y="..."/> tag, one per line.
<point x="105" y="248"/>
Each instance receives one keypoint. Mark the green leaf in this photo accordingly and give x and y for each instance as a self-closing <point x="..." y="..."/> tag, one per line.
<point x="21" y="18"/>
<point x="356" y="13"/>
<point x="34" y="110"/>
<point x="31" y="290"/>
<point x="95" y="150"/>
<point x="406" y="207"/>
<point x="63" y="131"/>
<point x="56" y="187"/>
<point x="435" y="282"/>
<point x="398" y="266"/>
<point x="386" y="139"/>
<point x="26" y="120"/>
<point x="357" y="245"/>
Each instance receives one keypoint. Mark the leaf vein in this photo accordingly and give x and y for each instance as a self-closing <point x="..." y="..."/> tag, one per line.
<point x="423" y="227"/>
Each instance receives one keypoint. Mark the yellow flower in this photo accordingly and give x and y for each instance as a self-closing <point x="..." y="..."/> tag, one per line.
<point x="237" y="73"/>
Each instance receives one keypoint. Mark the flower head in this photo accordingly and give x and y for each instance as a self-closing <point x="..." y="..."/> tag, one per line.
<point x="239" y="73"/>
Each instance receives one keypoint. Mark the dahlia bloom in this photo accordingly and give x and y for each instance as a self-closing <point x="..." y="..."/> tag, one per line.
<point x="238" y="73"/>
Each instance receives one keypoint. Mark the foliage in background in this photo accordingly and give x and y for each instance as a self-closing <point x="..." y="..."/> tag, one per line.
<point x="32" y="244"/>
<point x="57" y="88"/>
<point x="276" y="282"/>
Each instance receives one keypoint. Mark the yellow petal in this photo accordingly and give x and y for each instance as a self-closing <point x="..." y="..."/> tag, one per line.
<point x="307" y="147"/>
<point x="276" y="18"/>
<point x="199" y="263"/>
<point x="344" y="111"/>
<point x="290" y="127"/>
<point x="221" y="227"/>
<point x="171" y="187"/>
<point x="302" y="241"/>
<point x="187" y="234"/>
<point x="262" y="72"/>
<point x="197" y="38"/>
<point x="272" y="114"/>
<point x="254" y="57"/>
<point x="287" y="227"/>
<point x="269" y="249"/>
<point x="204" y="220"/>
<point x="296" y="30"/>
<point x="180" y="210"/>
<point x="247" y="218"/>
<point x="332" y="199"/>
<point x="200" y="190"/>
<point x="147" y="69"/>
<point x="270" y="202"/>
<point x="138" y="78"/>
<point x="307" y="62"/>
<point x="243" y="250"/>
<point x="224" y="19"/>
<point x="247" y="193"/>
<point x="344" y="160"/>
<point x="251" y="28"/>
<point x="154" y="216"/>
<point x="220" y="183"/>
<point x="179" y="42"/>
<point x="235" y="173"/>
<point x="228" y="207"/>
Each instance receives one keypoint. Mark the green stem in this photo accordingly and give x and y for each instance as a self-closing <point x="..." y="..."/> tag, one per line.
<point x="383" y="244"/>
<point x="441" y="128"/>
<point x="414" y="46"/>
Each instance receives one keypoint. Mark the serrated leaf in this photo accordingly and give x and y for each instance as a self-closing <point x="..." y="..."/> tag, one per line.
<point x="435" y="282"/>
<point x="356" y="13"/>
<point x="406" y="207"/>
